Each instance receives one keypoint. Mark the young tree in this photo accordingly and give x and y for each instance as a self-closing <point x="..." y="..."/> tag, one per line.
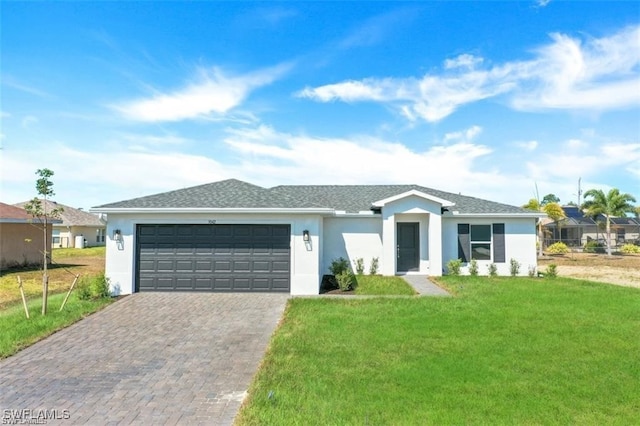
<point x="38" y="209"/>
<point x="609" y="205"/>
<point x="550" y="198"/>
<point x="551" y="209"/>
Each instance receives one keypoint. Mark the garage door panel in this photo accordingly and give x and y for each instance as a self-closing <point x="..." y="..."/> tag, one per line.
<point x="213" y="257"/>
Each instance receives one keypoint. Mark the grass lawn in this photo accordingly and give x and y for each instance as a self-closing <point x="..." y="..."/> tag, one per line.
<point x="503" y="351"/>
<point x="67" y="263"/>
<point x="379" y="285"/>
<point x="17" y="332"/>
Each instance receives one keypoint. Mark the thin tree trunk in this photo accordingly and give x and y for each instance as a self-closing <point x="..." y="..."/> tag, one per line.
<point x="45" y="276"/>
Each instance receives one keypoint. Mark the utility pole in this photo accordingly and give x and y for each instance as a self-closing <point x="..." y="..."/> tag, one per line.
<point x="579" y="193"/>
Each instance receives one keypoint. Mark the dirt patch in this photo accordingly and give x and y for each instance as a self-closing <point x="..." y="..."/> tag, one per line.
<point x="617" y="269"/>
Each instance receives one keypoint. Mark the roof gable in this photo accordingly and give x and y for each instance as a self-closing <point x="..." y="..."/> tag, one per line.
<point x="413" y="192"/>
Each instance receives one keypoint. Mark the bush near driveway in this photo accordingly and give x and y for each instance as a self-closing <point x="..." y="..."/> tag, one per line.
<point x="504" y="351"/>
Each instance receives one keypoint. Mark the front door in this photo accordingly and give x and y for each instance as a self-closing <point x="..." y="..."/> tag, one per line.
<point x="408" y="248"/>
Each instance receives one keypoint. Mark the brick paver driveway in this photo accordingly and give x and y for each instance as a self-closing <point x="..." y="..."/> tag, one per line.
<point x="150" y="358"/>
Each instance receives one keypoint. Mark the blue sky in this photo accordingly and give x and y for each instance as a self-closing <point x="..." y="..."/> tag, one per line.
<point x="489" y="99"/>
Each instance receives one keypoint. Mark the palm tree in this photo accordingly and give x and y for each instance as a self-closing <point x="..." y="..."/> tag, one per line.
<point x="552" y="210"/>
<point x="609" y="205"/>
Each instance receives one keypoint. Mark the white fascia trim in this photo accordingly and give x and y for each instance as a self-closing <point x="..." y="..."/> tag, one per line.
<point x="356" y="215"/>
<point x="514" y="215"/>
<point x="441" y="201"/>
<point x="206" y="210"/>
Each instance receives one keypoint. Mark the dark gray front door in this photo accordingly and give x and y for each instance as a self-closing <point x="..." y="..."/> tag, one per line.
<point x="408" y="249"/>
<point x="213" y="258"/>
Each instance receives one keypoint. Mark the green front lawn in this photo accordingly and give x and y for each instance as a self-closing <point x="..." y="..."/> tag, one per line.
<point x="17" y="332"/>
<point x="376" y="285"/>
<point x="503" y="351"/>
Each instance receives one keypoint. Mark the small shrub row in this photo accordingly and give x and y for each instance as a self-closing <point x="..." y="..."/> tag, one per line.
<point x="558" y="248"/>
<point x="630" y="249"/>
<point x="454" y="267"/>
<point x="373" y="266"/>
<point x="593" y="246"/>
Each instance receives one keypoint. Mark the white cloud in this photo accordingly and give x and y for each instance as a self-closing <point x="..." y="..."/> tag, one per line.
<point x="568" y="73"/>
<point x="28" y="121"/>
<point x="528" y="145"/>
<point x="213" y="92"/>
<point x="166" y="139"/>
<point x="463" y="61"/>
<point x="576" y="158"/>
<point x="267" y="157"/>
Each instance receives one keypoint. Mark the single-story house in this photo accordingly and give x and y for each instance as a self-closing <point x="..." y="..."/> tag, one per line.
<point x="77" y="229"/>
<point x="21" y="241"/>
<point x="235" y="236"/>
<point x="577" y="229"/>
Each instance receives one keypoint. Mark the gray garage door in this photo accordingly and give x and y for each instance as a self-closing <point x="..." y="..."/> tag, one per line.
<point x="213" y="258"/>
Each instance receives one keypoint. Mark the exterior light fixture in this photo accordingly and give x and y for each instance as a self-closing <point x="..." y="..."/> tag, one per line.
<point x="117" y="234"/>
<point x="305" y="236"/>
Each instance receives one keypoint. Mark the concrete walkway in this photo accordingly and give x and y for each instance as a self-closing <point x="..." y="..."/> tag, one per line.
<point x="150" y="358"/>
<point x="424" y="286"/>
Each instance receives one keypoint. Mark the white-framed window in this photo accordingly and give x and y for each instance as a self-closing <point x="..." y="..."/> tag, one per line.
<point x="480" y="242"/>
<point x="55" y="237"/>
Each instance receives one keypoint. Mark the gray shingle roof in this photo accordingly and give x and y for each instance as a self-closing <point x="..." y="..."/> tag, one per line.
<point x="71" y="216"/>
<point x="234" y="193"/>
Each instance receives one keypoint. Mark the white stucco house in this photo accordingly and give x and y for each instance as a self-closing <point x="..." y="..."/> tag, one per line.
<point x="235" y="236"/>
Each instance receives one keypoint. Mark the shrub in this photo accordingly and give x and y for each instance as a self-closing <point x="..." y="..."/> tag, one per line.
<point x="514" y="267"/>
<point x="94" y="287"/>
<point x="551" y="271"/>
<point x="84" y="291"/>
<point x="593" y="246"/>
<point x="558" y="248"/>
<point x="630" y="249"/>
<point x="473" y="268"/>
<point x="373" y="268"/>
<point x="453" y="266"/>
<point x="493" y="270"/>
<point x="345" y="280"/>
<point x="339" y="265"/>
<point x="360" y="266"/>
<point x="532" y="271"/>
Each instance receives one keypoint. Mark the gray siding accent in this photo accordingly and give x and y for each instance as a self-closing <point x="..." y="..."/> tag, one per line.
<point x="499" y="251"/>
<point x="464" y="242"/>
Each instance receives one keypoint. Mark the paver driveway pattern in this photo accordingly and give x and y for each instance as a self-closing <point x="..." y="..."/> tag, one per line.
<point x="150" y="358"/>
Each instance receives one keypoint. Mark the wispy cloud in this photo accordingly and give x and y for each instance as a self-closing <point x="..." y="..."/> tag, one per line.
<point x="376" y="29"/>
<point x="13" y="83"/>
<point x="28" y="121"/>
<point x="569" y="73"/>
<point x="212" y="92"/>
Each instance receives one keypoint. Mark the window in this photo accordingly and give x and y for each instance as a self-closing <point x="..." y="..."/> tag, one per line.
<point x="55" y="237"/>
<point x="481" y="242"/>
<point x="100" y="235"/>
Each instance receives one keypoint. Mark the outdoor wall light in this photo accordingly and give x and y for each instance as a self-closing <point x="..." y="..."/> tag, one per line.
<point x="117" y="234"/>
<point x="305" y="235"/>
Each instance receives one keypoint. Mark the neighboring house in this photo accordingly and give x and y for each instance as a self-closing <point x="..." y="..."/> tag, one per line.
<point x="78" y="229"/>
<point x="235" y="236"/>
<point x="576" y="230"/>
<point x="21" y="241"/>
